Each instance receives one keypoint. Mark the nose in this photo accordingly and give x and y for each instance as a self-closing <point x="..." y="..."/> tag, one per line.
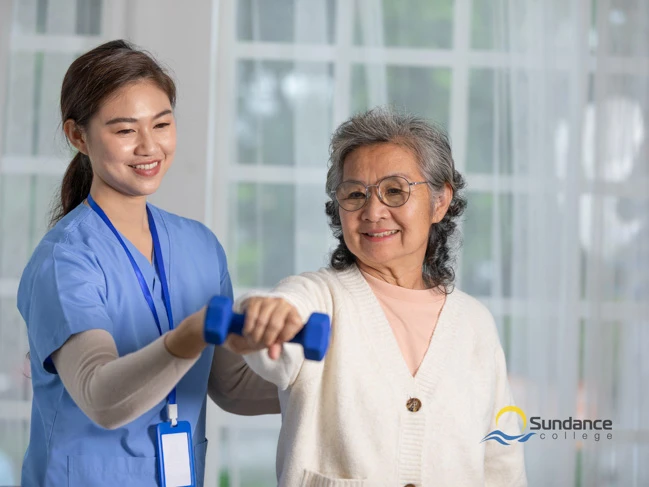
<point x="146" y="144"/>
<point x="374" y="210"/>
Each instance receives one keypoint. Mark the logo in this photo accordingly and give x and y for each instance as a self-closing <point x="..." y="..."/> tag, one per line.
<point x="581" y="429"/>
<point x="504" y="438"/>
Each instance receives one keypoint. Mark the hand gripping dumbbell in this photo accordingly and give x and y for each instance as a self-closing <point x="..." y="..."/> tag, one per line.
<point x="220" y="321"/>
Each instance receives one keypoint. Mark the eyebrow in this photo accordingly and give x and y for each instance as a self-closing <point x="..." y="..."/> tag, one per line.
<point x="386" y="176"/>
<point x="403" y="175"/>
<point x="134" y="120"/>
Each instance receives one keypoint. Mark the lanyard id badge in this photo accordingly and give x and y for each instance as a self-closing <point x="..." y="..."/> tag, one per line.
<point x="174" y="438"/>
<point x="175" y="454"/>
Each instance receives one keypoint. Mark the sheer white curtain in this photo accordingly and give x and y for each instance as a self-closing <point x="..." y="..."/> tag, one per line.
<point x="38" y="41"/>
<point x="614" y="234"/>
<point x="546" y="106"/>
<point x="571" y="118"/>
<point x="8" y="464"/>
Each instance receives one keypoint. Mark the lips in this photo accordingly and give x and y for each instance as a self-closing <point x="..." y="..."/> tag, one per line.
<point x="145" y="166"/>
<point x="380" y="234"/>
<point x="147" y="169"/>
<point x="383" y="233"/>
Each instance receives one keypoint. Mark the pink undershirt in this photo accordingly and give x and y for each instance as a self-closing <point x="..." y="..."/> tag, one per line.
<point x="412" y="314"/>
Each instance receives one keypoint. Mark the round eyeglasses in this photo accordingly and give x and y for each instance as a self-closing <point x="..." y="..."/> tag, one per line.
<point x="392" y="191"/>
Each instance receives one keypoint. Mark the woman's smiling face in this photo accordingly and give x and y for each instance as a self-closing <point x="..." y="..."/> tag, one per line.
<point x="131" y="140"/>
<point x="378" y="235"/>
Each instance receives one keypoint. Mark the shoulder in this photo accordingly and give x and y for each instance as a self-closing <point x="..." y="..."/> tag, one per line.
<point x="470" y="312"/>
<point x="58" y="261"/>
<point x="309" y="291"/>
<point x="324" y="279"/>
<point x="187" y="230"/>
<point x="180" y="224"/>
<point x="61" y="262"/>
<point x="67" y="241"/>
<point x="469" y="305"/>
<point x="72" y="227"/>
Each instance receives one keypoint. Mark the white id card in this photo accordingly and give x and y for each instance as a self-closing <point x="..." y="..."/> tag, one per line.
<point x="175" y="455"/>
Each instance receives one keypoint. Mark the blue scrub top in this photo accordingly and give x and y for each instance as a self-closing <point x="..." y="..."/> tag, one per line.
<point x="79" y="278"/>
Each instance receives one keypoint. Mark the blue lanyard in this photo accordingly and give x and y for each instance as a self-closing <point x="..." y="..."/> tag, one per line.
<point x="159" y="263"/>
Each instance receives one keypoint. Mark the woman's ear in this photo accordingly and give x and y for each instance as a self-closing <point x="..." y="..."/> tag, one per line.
<point x="442" y="202"/>
<point x="75" y="135"/>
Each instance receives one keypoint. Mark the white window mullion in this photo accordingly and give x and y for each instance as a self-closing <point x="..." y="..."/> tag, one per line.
<point x="425" y="58"/>
<point x="36" y="165"/>
<point x="5" y="38"/>
<point x="213" y="103"/>
<point x="460" y="82"/>
<point x="312" y="126"/>
<point x="275" y="51"/>
<point x="114" y="20"/>
<point x="15" y="410"/>
<point x="8" y="288"/>
<point x="54" y="43"/>
<point x="459" y="112"/>
<point x="268" y="174"/>
<point x="223" y="142"/>
<point x="342" y="65"/>
<point x="609" y="311"/>
<point x="507" y="184"/>
<point x="221" y="155"/>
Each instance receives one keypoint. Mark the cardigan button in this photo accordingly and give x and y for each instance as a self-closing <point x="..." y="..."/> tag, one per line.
<point x="413" y="406"/>
<point x="410" y="485"/>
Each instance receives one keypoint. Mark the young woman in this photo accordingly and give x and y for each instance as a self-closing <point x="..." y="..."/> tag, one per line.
<point x="113" y="295"/>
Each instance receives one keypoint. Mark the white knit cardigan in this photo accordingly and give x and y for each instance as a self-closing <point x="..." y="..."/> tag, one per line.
<point x="345" y="420"/>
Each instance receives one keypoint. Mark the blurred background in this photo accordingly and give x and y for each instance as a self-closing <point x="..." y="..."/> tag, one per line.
<point x="546" y="104"/>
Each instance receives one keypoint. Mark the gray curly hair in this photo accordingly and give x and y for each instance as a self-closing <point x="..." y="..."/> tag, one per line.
<point x="432" y="149"/>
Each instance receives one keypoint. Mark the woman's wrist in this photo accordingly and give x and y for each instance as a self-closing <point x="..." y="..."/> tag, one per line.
<point x="186" y="341"/>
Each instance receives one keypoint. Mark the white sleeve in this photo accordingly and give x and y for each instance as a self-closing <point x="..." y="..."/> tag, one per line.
<point x="282" y="372"/>
<point x="308" y="293"/>
<point x="504" y="465"/>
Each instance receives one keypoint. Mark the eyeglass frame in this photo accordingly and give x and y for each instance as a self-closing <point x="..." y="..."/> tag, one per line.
<point x="368" y="193"/>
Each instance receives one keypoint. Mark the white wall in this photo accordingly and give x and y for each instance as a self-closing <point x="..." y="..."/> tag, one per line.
<point x="167" y="28"/>
<point x="5" y="36"/>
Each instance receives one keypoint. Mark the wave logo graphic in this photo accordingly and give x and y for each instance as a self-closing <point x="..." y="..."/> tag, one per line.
<point x="503" y="438"/>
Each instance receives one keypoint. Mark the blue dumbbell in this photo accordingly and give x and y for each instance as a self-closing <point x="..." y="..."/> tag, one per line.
<point x="220" y="321"/>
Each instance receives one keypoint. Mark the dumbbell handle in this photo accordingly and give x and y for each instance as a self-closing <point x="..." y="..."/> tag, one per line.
<point x="220" y="321"/>
<point x="238" y="320"/>
<point x="236" y="324"/>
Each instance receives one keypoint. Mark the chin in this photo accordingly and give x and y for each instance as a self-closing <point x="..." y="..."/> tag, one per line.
<point x="139" y="192"/>
<point x="378" y="258"/>
<point x="148" y="188"/>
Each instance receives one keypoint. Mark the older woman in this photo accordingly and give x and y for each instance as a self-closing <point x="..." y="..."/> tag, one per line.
<point x="415" y="374"/>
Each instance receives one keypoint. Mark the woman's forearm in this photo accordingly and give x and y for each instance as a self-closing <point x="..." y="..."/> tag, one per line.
<point x="186" y="340"/>
<point x="113" y="390"/>
<point x="235" y="387"/>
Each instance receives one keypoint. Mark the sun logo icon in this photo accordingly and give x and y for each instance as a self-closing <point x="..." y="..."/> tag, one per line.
<point x="503" y="438"/>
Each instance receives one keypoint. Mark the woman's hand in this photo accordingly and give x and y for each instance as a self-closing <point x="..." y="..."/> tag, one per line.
<point x="268" y="323"/>
<point x="186" y="340"/>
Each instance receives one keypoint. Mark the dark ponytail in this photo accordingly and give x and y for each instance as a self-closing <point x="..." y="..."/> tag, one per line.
<point x="76" y="185"/>
<point x="90" y="80"/>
